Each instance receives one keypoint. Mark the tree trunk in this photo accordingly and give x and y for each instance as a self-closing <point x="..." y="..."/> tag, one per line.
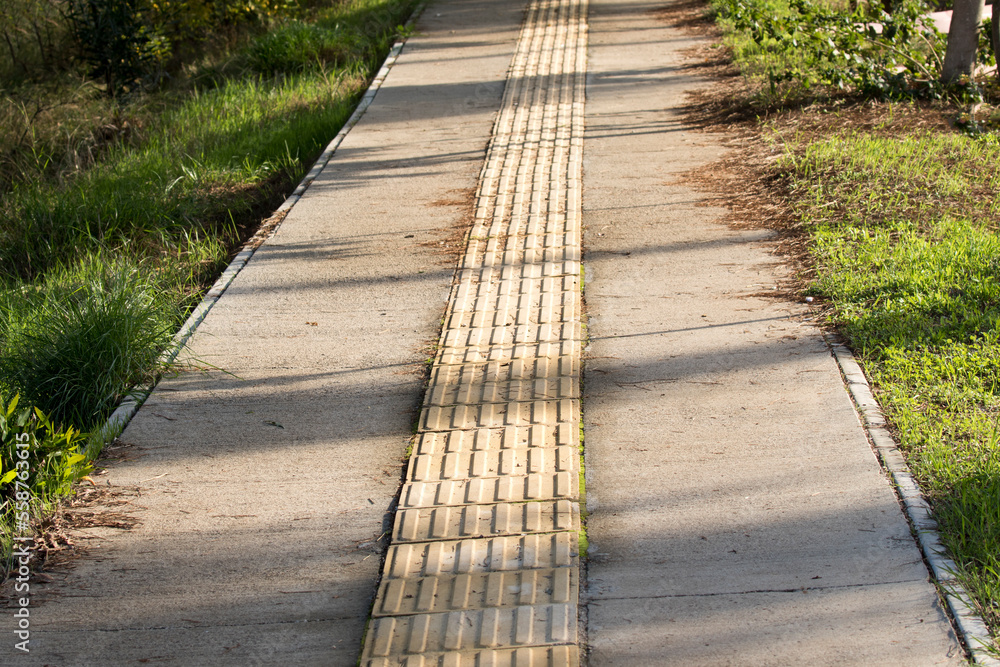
<point x="963" y="37"/>
<point x="995" y="24"/>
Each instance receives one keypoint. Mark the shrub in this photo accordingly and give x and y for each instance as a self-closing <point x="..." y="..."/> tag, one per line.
<point x="805" y="44"/>
<point x="115" y="42"/>
<point x="38" y="464"/>
<point x="32" y="40"/>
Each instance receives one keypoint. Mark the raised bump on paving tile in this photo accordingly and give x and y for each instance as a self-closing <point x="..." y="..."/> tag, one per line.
<point x="483" y="565"/>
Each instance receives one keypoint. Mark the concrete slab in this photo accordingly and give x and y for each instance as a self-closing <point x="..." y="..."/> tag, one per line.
<point x="832" y="626"/>
<point x="737" y="515"/>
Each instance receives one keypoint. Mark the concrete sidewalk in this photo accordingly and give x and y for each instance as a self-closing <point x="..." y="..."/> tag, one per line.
<point x="737" y="515"/>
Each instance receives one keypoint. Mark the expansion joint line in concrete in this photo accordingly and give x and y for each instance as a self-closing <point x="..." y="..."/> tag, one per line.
<point x="483" y="567"/>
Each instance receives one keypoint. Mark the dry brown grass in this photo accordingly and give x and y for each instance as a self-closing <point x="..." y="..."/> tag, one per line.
<point x="55" y="131"/>
<point x="62" y="538"/>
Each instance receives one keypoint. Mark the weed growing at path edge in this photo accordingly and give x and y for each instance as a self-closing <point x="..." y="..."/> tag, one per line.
<point x="40" y="463"/>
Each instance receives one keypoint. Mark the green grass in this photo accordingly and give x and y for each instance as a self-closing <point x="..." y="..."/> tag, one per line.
<point x="74" y="343"/>
<point x="905" y="244"/>
<point x="211" y="155"/>
<point x="212" y="161"/>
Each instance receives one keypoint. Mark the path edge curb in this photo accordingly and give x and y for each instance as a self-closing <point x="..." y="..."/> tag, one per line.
<point x="969" y="625"/>
<point x="123" y="414"/>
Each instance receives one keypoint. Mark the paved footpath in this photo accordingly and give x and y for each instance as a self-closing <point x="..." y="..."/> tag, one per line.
<point x="735" y="512"/>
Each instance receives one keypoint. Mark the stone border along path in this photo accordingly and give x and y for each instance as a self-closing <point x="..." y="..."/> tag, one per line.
<point x="968" y="622"/>
<point x="484" y="559"/>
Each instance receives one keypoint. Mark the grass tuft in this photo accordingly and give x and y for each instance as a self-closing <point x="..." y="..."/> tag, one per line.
<point x="75" y="343"/>
<point x="297" y="47"/>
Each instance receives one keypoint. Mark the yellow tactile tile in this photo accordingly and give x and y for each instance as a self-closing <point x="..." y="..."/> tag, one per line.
<point x="481" y="491"/>
<point x="472" y="464"/>
<point x="473" y="629"/>
<point x="491" y="415"/>
<point x="475" y="354"/>
<point x="496" y="554"/>
<point x="483" y="565"/>
<point x="510" y="437"/>
<point x="532" y="332"/>
<point x="542" y="656"/>
<point x="530" y="369"/>
<point x="503" y="391"/>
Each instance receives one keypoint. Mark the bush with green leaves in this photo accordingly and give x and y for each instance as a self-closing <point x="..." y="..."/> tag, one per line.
<point x="116" y="42"/>
<point x="76" y="342"/>
<point x="807" y="45"/>
<point x="39" y="461"/>
<point x="190" y="22"/>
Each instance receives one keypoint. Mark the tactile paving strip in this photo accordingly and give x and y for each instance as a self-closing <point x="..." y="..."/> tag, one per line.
<point x="483" y="568"/>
